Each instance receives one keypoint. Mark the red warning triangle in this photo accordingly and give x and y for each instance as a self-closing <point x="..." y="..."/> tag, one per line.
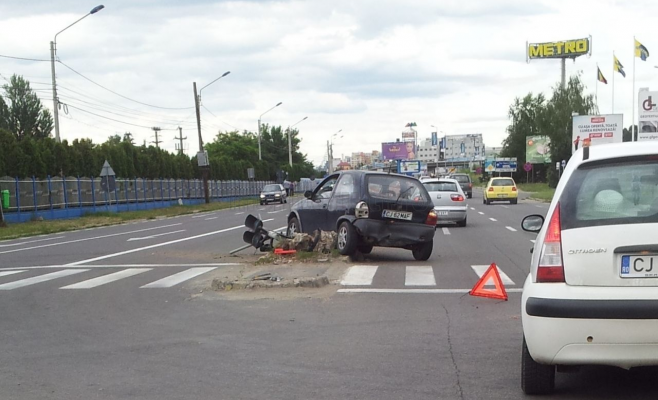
<point x="498" y="292"/>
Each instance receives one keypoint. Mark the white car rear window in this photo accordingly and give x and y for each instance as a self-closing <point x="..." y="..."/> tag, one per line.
<point x="440" y="186"/>
<point x="611" y="193"/>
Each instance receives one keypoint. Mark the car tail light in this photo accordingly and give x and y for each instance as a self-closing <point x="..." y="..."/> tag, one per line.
<point x="513" y="188"/>
<point x="551" y="265"/>
<point x="361" y="210"/>
<point x="470" y="186"/>
<point x="491" y="188"/>
<point x="432" y="218"/>
<point x="456" y="197"/>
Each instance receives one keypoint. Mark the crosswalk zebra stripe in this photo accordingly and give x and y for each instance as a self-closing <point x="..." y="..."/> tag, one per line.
<point x="102" y="280"/>
<point x="5" y="273"/>
<point x="180" y="277"/>
<point x="481" y="269"/>
<point x="419" y="276"/>
<point x="359" y="275"/>
<point x="40" y="278"/>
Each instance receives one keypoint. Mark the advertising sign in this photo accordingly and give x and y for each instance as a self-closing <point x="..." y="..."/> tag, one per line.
<point x="599" y="129"/>
<point x="398" y="151"/>
<point x="435" y="139"/>
<point x="409" y="135"/>
<point x="537" y="149"/>
<point x="408" y="167"/>
<point x="563" y="49"/>
<point x="489" y="165"/>
<point x="505" y="164"/>
<point x="648" y="120"/>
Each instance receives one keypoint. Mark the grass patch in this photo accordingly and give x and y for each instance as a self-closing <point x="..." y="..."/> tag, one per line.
<point x="538" y="191"/>
<point x="32" y="228"/>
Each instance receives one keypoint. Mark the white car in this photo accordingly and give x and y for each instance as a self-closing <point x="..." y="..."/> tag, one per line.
<point x="449" y="200"/>
<point x="592" y="293"/>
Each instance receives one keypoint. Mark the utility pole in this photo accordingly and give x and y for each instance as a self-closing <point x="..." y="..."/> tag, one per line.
<point x="157" y="140"/>
<point x="180" y="138"/>
<point x="206" y="167"/>
<point x="55" y="100"/>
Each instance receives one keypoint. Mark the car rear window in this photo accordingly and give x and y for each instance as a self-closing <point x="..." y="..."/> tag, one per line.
<point x="461" y="178"/>
<point x="271" y="188"/>
<point x="502" y="182"/>
<point x="395" y="186"/>
<point x="615" y="192"/>
<point x="440" y="186"/>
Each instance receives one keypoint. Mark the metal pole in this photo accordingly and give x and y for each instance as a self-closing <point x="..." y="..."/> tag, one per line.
<point x="290" y="146"/>
<point x="198" y="116"/>
<point x="564" y="71"/>
<point x="633" y="97"/>
<point x="55" y="102"/>
<point x="260" y="156"/>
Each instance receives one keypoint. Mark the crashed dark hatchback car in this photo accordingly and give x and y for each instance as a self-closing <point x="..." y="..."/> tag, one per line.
<point x="369" y="209"/>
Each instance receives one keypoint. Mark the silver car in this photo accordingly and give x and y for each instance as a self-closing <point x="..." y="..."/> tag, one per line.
<point x="274" y="193"/>
<point x="449" y="200"/>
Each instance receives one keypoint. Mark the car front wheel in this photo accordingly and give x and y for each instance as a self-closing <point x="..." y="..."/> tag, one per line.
<point x="365" y="248"/>
<point x="536" y="378"/>
<point x="423" y="251"/>
<point x="293" y="227"/>
<point x="347" y="239"/>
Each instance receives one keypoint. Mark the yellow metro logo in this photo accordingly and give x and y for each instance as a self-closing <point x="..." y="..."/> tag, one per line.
<point x="563" y="49"/>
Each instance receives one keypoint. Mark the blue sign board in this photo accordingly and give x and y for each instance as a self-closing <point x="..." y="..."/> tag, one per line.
<point x="435" y="139"/>
<point x="505" y="165"/>
<point x="408" y="167"/>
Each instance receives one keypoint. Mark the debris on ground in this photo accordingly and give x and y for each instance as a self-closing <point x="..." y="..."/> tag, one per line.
<point x="318" y="241"/>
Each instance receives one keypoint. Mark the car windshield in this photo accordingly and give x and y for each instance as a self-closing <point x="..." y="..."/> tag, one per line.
<point x="271" y="188"/>
<point x="440" y="186"/>
<point x="461" y="178"/>
<point x="611" y="193"/>
<point x="502" y="182"/>
<point x="395" y="186"/>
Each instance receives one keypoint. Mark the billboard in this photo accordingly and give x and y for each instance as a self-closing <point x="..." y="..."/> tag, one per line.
<point x="409" y="135"/>
<point x="435" y="140"/>
<point x="408" y="167"/>
<point x="563" y="49"/>
<point x="505" y="164"/>
<point x="537" y="149"/>
<point x="648" y="119"/>
<point x="599" y="129"/>
<point x="398" y="151"/>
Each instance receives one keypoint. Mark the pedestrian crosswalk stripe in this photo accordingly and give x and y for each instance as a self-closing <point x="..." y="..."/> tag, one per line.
<point x="40" y="278"/>
<point x="180" y="277"/>
<point x="445" y="231"/>
<point x="481" y="269"/>
<point x="102" y="280"/>
<point x="359" y="275"/>
<point x="5" y="273"/>
<point x="419" y="276"/>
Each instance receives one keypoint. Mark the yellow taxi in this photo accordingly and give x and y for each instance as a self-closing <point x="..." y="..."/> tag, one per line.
<point x="500" y="189"/>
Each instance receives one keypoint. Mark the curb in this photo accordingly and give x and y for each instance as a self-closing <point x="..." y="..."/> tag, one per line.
<point x="221" y="285"/>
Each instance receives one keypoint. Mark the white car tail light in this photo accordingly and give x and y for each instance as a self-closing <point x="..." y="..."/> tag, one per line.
<point x="551" y="266"/>
<point x="456" y="197"/>
<point x="361" y="210"/>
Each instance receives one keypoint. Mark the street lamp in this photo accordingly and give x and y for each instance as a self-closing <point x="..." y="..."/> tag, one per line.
<point x="290" y="140"/>
<point x="53" y="51"/>
<point x="330" y="150"/>
<point x="202" y="161"/>
<point x="260" y="155"/>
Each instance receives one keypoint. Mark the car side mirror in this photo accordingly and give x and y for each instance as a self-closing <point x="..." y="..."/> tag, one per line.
<point x="532" y="223"/>
<point x="308" y="194"/>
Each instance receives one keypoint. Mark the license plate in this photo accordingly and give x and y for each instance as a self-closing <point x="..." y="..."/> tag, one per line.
<point x="442" y="213"/>
<point x="639" y="266"/>
<point x="502" y="195"/>
<point x="397" y="214"/>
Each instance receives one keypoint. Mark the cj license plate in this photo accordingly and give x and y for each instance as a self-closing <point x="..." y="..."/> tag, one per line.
<point x="397" y="214"/>
<point x="639" y="266"/>
<point x="442" y="213"/>
<point x="502" y="195"/>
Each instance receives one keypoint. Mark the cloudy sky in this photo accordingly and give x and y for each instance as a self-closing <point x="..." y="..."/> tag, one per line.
<point x="367" y="67"/>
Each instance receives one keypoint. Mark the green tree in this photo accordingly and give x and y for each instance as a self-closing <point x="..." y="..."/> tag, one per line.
<point x="21" y="111"/>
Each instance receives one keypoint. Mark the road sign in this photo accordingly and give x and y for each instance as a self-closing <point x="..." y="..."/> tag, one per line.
<point x="202" y="159"/>
<point x="108" y="178"/>
<point x="251" y="173"/>
<point x="527" y="167"/>
<point x="557" y="165"/>
<point x="564" y="163"/>
<point x="505" y="164"/>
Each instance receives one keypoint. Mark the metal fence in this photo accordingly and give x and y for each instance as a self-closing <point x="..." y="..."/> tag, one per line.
<point x="62" y="193"/>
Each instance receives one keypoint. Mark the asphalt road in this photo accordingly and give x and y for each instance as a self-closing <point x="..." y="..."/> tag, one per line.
<point x="130" y="324"/>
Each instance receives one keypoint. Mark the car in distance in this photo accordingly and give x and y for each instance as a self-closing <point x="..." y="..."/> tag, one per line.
<point x="592" y="293"/>
<point x="449" y="200"/>
<point x="273" y="193"/>
<point x="369" y="209"/>
<point x="465" y="183"/>
<point x="500" y="189"/>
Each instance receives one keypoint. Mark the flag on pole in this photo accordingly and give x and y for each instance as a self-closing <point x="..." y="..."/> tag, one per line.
<point x="641" y="51"/>
<point x="618" y="67"/>
<point x="600" y="76"/>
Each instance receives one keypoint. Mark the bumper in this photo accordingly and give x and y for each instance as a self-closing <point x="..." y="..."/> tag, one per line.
<point x="393" y="234"/>
<point x="571" y="325"/>
<point x="271" y="199"/>
<point x="454" y="214"/>
<point x="502" y="196"/>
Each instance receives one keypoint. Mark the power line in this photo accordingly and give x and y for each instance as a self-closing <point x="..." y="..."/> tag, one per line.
<point x="120" y="95"/>
<point x="22" y="58"/>
<point x="111" y="119"/>
<point x="225" y="123"/>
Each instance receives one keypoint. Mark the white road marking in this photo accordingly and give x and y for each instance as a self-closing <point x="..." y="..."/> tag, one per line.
<point x="205" y="214"/>
<point x="154" y="236"/>
<point x="90" y="238"/>
<point x="504" y="206"/>
<point x="472" y="208"/>
<point x="419" y="276"/>
<point x="277" y="211"/>
<point x="480" y="212"/>
<point x="359" y="275"/>
<point x="123" y="266"/>
<point x="31" y="241"/>
<point x="418" y="291"/>
<point x="121" y="253"/>
<point x="239" y="213"/>
<point x="532" y="240"/>
<point x="175" y="279"/>
<point x="5" y="273"/>
<point x="510" y="228"/>
<point x="40" y="278"/>
<point x="445" y="231"/>
<point x="262" y="209"/>
<point x="493" y="219"/>
<point x="539" y="206"/>
<point x="481" y="269"/>
<point x="105" y="279"/>
<point x="211" y="218"/>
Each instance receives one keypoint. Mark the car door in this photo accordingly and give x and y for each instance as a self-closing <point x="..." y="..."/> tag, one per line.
<point x="313" y="214"/>
<point x="344" y="198"/>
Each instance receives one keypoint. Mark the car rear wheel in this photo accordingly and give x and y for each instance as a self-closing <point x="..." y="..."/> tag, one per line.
<point x="536" y="378"/>
<point x="487" y="202"/>
<point x="293" y="227"/>
<point x="514" y="201"/>
<point x="365" y="248"/>
<point x="347" y="239"/>
<point x="462" y="223"/>
<point x="423" y="251"/>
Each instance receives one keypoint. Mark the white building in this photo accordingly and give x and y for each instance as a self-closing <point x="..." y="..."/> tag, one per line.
<point x="464" y="147"/>
<point x="427" y="152"/>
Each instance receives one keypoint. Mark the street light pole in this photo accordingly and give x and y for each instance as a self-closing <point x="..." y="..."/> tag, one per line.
<point x="53" y="52"/>
<point x="330" y="151"/>
<point x="290" y="140"/>
<point x="260" y="154"/>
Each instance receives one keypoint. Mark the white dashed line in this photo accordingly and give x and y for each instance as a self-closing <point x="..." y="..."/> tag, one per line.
<point x="445" y="231"/>
<point x="472" y="208"/>
<point x="211" y="218"/>
<point x="493" y="219"/>
<point x="480" y="212"/>
<point x="510" y="228"/>
<point x="504" y="206"/>
<point x="238" y="213"/>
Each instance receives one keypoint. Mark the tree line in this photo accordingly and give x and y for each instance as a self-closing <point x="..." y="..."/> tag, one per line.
<point x="27" y="149"/>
